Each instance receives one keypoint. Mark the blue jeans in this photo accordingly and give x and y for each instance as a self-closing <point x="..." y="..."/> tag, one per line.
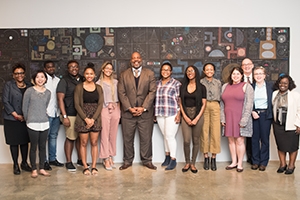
<point x="52" y="137"/>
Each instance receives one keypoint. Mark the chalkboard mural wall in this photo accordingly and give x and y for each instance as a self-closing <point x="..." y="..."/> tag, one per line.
<point x="226" y="47"/>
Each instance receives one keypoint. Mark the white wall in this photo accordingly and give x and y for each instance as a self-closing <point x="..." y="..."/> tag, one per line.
<point x="132" y="13"/>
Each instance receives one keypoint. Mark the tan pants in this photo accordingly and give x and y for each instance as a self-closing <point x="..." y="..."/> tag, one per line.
<point x="210" y="138"/>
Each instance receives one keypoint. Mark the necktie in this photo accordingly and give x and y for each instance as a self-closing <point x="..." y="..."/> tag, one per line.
<point x="248" y="79"/>
<point x="136" y="73"/>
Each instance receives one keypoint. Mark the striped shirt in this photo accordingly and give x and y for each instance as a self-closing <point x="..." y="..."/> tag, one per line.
<point x="167" y="96"/>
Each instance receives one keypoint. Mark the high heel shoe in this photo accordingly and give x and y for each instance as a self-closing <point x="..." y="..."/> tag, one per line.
<point x="281" y="169"/>
<point x="289" y="171"/>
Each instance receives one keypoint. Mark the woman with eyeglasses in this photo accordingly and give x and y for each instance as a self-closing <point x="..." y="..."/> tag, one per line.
<point x="167" y="112"/>
<point x="262" y="119"/>
<point x="286" y="125"/>
<point x="236" y="107"/>
<point x="192" y="106"/>
<point x="110" y="115"/>
<point x="15" y="130"/>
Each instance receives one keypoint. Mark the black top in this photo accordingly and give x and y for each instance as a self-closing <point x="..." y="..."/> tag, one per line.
<point x="90" y="97"/>
<point x="67" y="86"/>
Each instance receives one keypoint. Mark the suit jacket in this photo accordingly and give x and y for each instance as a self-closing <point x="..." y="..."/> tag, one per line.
<point x="12" y="99"/>
<point x="78" y="102"/>
<point x="269" y="87"/>
<point x="130" y="96"/>
<point x="293" y="110"/>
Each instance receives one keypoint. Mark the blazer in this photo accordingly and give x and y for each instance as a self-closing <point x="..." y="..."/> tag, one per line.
<point x="246" y="119"/>
<point x="12" y="99"/>
<point x="293" y="110"/>
<point x="130" y="96"/>
<point x="269" y="87"/>
<point x="78" y="102"/>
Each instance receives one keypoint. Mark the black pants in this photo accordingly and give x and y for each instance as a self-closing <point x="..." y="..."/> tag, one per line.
<point x="37" y="139"/>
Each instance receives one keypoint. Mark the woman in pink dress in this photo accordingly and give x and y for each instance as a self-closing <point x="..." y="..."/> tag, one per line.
<point x="236" y="107"/>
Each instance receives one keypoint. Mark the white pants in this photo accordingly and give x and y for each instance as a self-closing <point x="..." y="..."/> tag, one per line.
<point x="168" y="128"/>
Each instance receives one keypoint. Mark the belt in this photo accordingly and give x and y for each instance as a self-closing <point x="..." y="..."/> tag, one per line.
<point x="260" y="110"/>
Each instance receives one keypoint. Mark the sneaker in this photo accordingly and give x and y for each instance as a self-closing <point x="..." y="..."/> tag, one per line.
<point x="47" y="166"/>
<point x="70" y="167"/>
<point x="79" y="163"/>
<point x="56" y="163"/>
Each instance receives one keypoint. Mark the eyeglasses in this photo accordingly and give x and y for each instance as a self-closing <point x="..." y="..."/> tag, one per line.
<point x="19" y="73"/>
<point x="256" y="74"/>
<point x="73" y="67"/>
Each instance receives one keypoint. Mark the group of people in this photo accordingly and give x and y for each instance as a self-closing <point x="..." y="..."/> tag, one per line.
<point x="244" y="107"/>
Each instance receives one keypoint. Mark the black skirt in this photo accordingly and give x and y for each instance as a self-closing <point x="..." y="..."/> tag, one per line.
<point x="286" y="141"/>
<point x="15" y="132"/>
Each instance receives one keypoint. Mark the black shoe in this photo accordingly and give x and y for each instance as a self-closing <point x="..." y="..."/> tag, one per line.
<point x="206" y="163"/>
<point x="167" y="161"/>
<point x="281" y="169"/>
<point x="213" y="164"/>
<point x="16" y="169"/>
<point x="70" y="167"/>
<point x="186" y="169"/>
<point x="289" y="171"/>
<point x="47" y="166"/>
<point x="79" y="163"/>
<point x="56" y="163"/>
<point x="25" y="167"/>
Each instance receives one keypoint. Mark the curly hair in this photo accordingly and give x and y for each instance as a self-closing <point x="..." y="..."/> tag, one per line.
<point x="292" y="84"/>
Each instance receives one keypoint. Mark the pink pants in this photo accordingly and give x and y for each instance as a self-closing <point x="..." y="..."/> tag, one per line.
<point x="110" y="123"/>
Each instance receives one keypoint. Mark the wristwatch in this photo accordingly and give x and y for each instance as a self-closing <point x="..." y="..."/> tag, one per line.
<point x="65" y="116"/>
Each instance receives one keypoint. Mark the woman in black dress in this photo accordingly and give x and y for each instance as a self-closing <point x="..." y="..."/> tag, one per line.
<point x="15" y="129"/>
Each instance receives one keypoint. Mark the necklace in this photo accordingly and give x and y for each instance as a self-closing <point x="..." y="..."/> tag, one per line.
<point x="21" y="85"/>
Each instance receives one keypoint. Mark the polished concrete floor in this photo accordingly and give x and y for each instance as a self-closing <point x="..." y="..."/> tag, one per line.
<point x="138" y="182"/>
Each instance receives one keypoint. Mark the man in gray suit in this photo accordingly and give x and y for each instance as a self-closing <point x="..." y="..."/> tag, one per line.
<point x="136" y="90"/>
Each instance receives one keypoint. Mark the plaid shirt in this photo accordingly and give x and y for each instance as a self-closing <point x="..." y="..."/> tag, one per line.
<point x="167" y="96"/>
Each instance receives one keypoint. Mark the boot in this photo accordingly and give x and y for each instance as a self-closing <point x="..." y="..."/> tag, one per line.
<point x="167" y="161"/>
<point x="16" y="169"/>
<point x="172" y="164"/>
<point x="206" y="164"/>
<point x="213" y="164"/>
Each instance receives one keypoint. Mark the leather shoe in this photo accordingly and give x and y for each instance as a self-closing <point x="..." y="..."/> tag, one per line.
<point x="16" y="169"/>
<point x="25" y="167"/>
<point x="56" y="163"/>
<point x="262" y="168"/>
<point x="230" y="167"/>
<point x="124" y="166"/>
<point x="185" y="169"/>
<point x="239" y="170"/>
<point x="254" y="167"/>
<point x="206" y="164"/>
<point x="289" y="171"/>
<point x="150" y="166"/>
<point x="281" y="169"/>
<point x="47" y="166"/>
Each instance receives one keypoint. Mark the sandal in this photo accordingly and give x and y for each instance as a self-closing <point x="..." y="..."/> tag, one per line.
<point x="34" y="174"/>
<point x="94" y="171"/>
<point x="86" y="171"/>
